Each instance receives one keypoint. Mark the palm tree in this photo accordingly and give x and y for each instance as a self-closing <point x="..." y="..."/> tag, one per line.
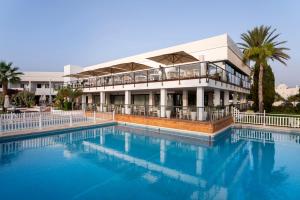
<point x="68" y="94"/>
<point x="61" y="96"/>
<point x="8" y="74"/>
<point x="73" y="94"/>
<point x="260" y="45"/>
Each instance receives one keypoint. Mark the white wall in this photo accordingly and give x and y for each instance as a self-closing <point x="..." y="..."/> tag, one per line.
<point x="285" y="91"/>
<point x="215" y="48"/>
<point x="71" y="69"/>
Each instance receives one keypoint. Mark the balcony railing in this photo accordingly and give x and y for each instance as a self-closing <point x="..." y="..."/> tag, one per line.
<point x="178" y="73"/>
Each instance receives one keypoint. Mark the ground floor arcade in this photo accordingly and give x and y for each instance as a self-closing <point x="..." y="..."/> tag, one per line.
<point x="182" y="103"/>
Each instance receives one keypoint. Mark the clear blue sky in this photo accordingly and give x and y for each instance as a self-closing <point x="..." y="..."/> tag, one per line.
<point x="45" y="35"/>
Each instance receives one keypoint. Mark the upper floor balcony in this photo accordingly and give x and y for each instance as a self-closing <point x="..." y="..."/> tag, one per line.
<point x="198" y="70"/>
<point x="45" y="91"/>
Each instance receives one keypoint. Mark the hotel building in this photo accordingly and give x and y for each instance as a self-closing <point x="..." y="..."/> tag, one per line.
<point x="43" y="84"/>
<point x="187" y="81"/>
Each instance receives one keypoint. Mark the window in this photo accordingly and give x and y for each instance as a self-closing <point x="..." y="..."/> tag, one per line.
<point x="46" y="85"/>
<point x="39" y="85"/>
<point x="22" y="85"/>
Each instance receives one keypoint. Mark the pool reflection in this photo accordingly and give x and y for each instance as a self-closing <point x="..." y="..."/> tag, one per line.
<point x="239" y="165"/>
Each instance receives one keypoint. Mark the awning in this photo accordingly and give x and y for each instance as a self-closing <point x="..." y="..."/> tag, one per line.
<point x="76" y="75"/>
<point x="123" y="67"/>
<point x="119" y="68"/>
<point x="174" y="58"/>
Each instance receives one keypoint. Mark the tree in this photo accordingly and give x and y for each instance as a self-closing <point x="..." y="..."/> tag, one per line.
<point x="8" y="74"/>
<point x="73" y="94"/>
<point x="268" y="88"/>
<point x="67" y="95"/>
<point x="260" y="45"/>
<point x="61" y="96"/>
<point x="24" y="98"/>
<point x="294" y="98"/>
<point x="278" y="97"/>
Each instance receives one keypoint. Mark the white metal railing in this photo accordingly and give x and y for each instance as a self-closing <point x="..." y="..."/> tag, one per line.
<point x="39" y="120"/>
<point x="279" y="120"/>
<point x="71" y="112"/>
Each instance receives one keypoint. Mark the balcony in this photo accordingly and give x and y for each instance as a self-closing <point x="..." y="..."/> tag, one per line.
<point x="199" y="70"/>
<point x="45" y="91"/>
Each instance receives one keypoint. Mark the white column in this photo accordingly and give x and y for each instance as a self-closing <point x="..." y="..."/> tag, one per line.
<point x="127" y="142"/>
<point x="226" y="98"/>
<point x="217" y="97"/>
<point x="107" y="98"/>
<point x="163" y="102"/>
<point x="162" y="154"/>
<point x="151" y="99"/>
<point x="29" y="86"/>
<point x="184" y="98"/>
<point x="200" y="103"/>
<point x="199" y="160"/>
<point x="50" y="91"/>
<point x="127" y="102"/>
<point x="235" y="97"/>
<point x="83" y="101"/>
<point x="90" y="98"/>
<point x="102" y="100"/>
<point x="203" y="65"/>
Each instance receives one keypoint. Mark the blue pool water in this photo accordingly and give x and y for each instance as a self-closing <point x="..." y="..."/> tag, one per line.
<point x="123" y="162"/>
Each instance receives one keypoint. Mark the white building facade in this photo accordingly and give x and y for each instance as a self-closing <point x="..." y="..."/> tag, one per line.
<point x="183" y="81"/>
<point x="43" y="84"/>
<point x="285" y="91"/>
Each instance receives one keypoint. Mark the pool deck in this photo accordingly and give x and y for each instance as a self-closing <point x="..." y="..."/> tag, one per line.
<point x="188" y="128"/>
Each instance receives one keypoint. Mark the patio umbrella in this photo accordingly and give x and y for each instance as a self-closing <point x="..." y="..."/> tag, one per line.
<point x="6" y="101"/>
<point x="122" y="67"/>
<point x="174" y="58"/>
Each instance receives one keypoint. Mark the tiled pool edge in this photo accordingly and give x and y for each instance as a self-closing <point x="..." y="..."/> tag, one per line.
<point x="170" y="131"/>
<point x="182" y="133"/>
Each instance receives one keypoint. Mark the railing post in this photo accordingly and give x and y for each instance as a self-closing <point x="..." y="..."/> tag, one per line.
<point x="94" y="117"/>
<point x="40" y="121"/>
<point x="113" y="115"/>
<point x="71" y="120"/>
<point x="264" y="118"/>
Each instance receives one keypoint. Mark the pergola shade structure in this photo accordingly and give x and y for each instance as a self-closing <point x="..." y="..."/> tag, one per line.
<point x="79" y="75"/>
<point x="119" y="68"/>
<point x="174" y="58"/>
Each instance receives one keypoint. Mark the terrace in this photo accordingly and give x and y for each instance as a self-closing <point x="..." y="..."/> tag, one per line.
<point x="198" y="70"/>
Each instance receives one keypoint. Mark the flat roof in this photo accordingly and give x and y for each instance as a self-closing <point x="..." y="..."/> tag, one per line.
<point x="43" y="76"/>
<point x="220" y="47"/>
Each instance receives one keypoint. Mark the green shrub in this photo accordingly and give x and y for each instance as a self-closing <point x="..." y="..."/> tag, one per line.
<point x="67" y="105"/>
<point x="286" y="108"/>
<point x="23" y="98"/>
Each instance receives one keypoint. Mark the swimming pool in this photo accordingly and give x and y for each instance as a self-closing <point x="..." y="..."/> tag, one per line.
<point x="124" y="162"/>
